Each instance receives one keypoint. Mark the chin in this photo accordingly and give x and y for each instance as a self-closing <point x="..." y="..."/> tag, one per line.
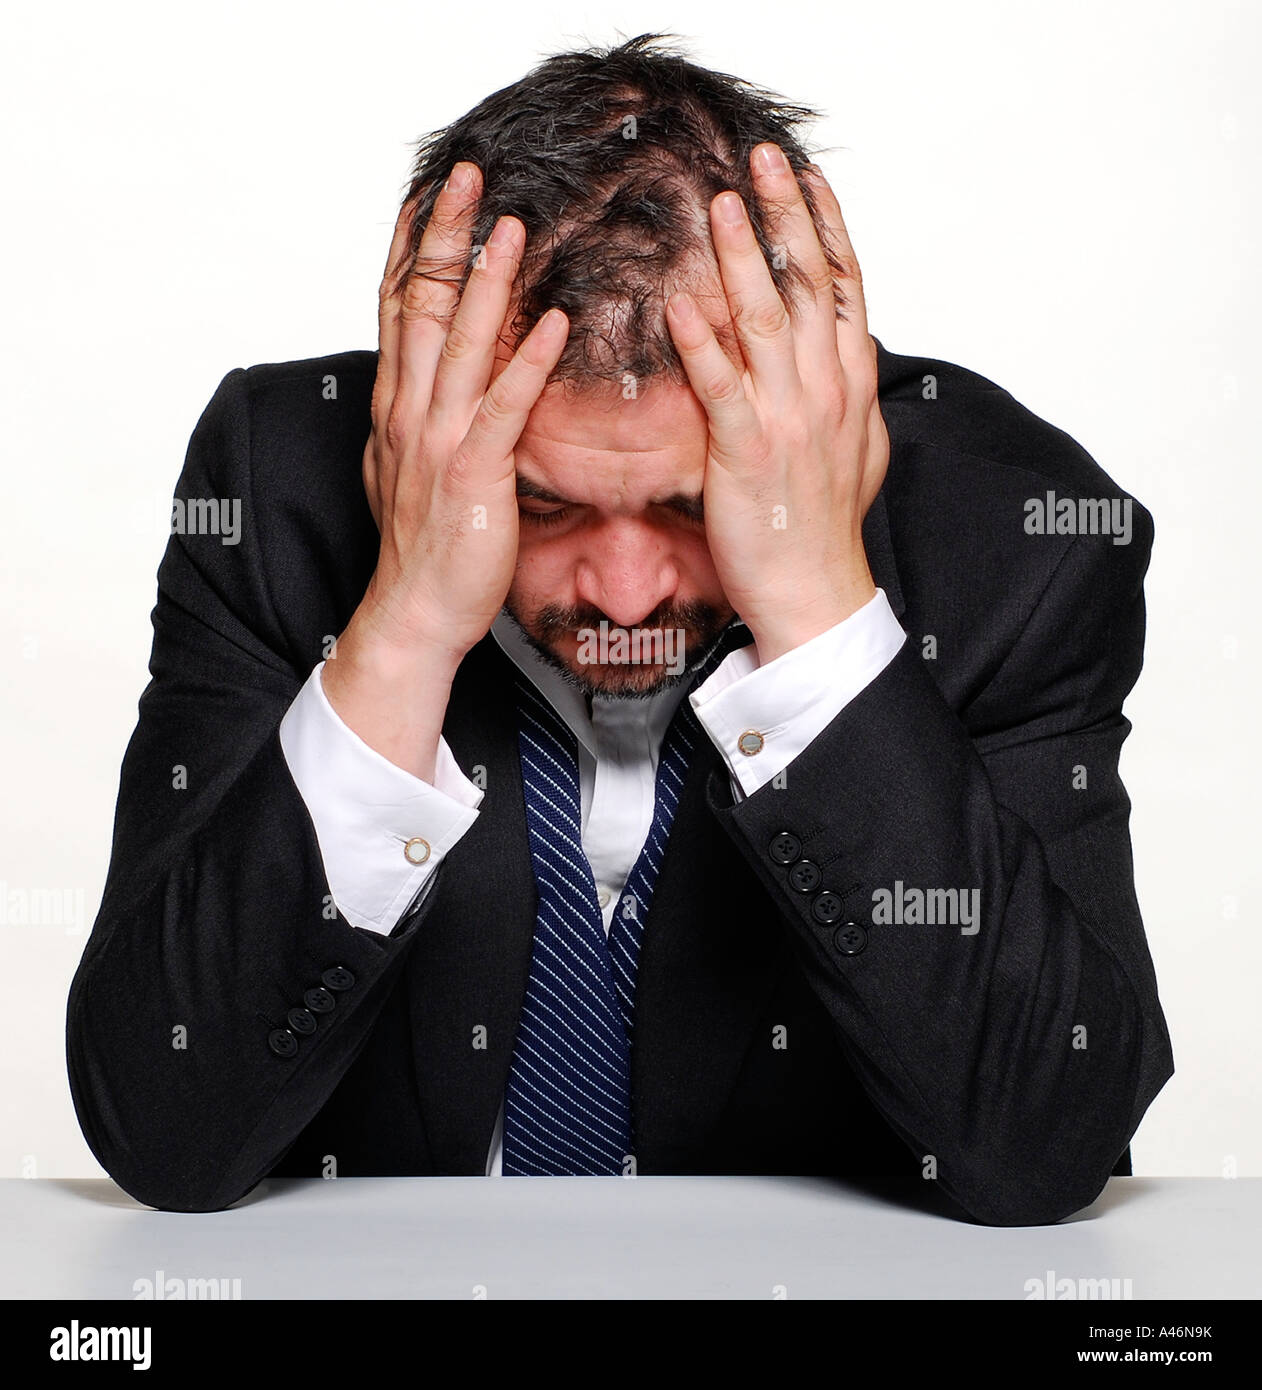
<point x="624" y="682"/>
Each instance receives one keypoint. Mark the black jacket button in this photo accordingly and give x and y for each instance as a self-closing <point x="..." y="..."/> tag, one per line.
<point x="850" y="939"/>
<point x="785" y="847"/>
<point x="805" y="877"/>
<point x="282" y="1042"/>
<point x="826" y="907"/>
<point x="301" y="1021"/>
<point x="319" y="1001"/>
<point x="337" y="978"/>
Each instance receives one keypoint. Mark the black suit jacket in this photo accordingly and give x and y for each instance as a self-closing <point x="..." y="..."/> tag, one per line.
<point x="765" y="1042"/>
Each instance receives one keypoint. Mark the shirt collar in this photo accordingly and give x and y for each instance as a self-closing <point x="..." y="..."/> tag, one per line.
<point x="653" y="715"/>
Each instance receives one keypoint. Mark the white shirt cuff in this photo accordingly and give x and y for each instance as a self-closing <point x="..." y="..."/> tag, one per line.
<point x="776" y="710"/>
<point x="365" y="810"/>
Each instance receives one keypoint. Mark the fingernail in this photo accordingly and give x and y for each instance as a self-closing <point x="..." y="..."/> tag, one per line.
<point x="681" y="306"/>
<point x="461" y="179"/>
<point x="731" y="209"/>
<point x="771" y="159"/>
<point x="502" y="235"/>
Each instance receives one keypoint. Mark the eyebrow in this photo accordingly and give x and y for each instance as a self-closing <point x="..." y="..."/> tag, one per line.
<point x="690" y="504"/>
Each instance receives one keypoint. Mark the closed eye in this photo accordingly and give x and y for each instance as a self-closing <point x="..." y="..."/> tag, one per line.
<point x="688" y="508"/>
<point x="544" y="518"/>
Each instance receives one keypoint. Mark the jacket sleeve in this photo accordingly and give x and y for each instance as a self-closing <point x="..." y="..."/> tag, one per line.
<point x="190" y="1074"/>
<point x="1015" y="1056"/>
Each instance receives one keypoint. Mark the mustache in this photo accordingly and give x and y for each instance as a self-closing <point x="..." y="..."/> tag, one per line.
<point x="553" y="620"/>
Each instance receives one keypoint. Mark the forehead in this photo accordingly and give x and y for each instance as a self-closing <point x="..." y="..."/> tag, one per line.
<point x="592" y="433"/>
<point x="593" y="448"/>
<point x="661" y="417"/>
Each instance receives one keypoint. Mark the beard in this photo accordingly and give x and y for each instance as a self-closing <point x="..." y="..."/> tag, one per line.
<point x="555" y="632"/>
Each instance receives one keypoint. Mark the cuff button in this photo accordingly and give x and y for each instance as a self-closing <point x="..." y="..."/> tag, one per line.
<point x="337" y="978"/>
<point x="850" y="939"/>
<point x="319" y="1001"/>
<point x="785" y="847"/>
<point x="301" y="1021"/>
<point x="805" y="877"/>
<point x="750" y="742"/>
<point x="416" y="851"/>
<point x="826" y="907"/>
<point x="282" y="1042"/>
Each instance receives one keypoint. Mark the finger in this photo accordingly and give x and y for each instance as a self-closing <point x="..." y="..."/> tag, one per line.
<point x="879" y="454"/>
<point x="387" y="350"/>
<point x="791" y="230"/>
<point x="501" y="417"/>
<point x="464" y="364"/>
<point x="428" y="303"/>
<point x="853" y="334"/>
<point x="388" y="296"/>
<point x="714" y="378"/>
<point x="372" y="483"/>
<point x="762" y="323"/>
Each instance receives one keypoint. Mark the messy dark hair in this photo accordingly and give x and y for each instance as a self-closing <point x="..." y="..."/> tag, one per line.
<point x="610" y="157"/>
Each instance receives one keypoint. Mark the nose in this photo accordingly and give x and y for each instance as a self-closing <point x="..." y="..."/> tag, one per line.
<point x="628" y="572"/>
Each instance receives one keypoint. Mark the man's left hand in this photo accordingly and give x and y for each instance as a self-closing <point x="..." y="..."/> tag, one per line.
<point x="797" y="446"/>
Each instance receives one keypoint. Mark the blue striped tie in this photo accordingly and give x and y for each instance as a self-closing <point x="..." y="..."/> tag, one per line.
<point x="567" y="1107"/>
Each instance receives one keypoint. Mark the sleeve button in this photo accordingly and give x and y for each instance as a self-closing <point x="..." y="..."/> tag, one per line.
<point x="805" y="877"/>
<point x="850" y="939"/>
<point x="826" y="907"/>
<point x="301" y="1021"/>
<point x="785" y="847"/>
<point x="319" y="1001"/>
<point x="282" y="1042"/>
<point x="337" y="978"/>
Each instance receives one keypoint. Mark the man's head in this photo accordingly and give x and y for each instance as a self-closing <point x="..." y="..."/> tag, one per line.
<point x="610" y="158"/>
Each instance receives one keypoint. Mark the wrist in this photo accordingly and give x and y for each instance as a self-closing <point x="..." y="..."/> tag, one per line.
<point x="394" y="653"/>
<point x="392" y="697"/>
<point x="775" y="636"/>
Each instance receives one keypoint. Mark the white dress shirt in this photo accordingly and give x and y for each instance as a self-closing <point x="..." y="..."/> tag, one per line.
<point x="365" y="810"/>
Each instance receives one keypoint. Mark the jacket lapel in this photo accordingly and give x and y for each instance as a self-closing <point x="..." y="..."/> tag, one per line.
<point x="468" y="971"/>
<point x="709" y="961"/>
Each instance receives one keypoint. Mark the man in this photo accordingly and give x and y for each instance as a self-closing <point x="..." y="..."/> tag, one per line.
<point x="683" y="738"/>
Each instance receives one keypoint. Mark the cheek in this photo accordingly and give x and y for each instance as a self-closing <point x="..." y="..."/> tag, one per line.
<point x="540" y="553"/>
<point x="545" y="570"/>
<point x="696" y="569"/>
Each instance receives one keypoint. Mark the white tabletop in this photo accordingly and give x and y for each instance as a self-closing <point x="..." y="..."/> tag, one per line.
<point x="654" y="1237"/>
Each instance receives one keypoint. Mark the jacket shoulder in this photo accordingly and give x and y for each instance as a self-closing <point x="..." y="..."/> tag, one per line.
<point x="355" y="362"/>
<point x="308" y="422"/>
<point x="974" y="424"/>
<point x="299" y="430"/>
<point x="1009" y="538"/>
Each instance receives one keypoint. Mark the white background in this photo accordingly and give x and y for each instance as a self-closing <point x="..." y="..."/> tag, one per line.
<point x="1061" y="197"/>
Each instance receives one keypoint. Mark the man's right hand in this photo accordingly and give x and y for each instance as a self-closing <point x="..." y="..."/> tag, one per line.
<point x="440" y="477"/>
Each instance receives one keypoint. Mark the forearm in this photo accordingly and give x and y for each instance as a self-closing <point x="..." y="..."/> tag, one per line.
<point x="1017" y="1051"/>
<point x="189" y="1075"/>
